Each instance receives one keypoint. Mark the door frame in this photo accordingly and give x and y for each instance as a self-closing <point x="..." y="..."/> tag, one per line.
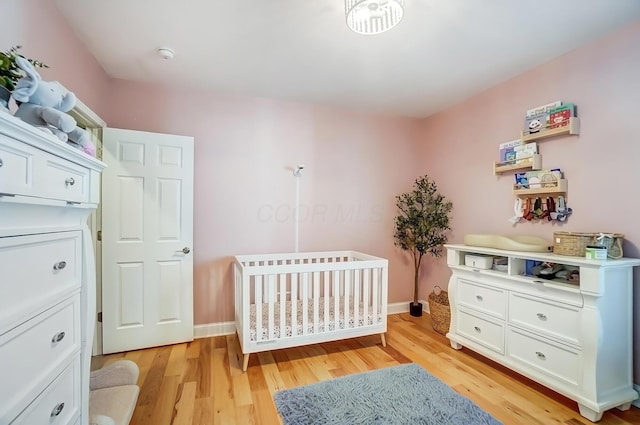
<point x="91" y="122"/>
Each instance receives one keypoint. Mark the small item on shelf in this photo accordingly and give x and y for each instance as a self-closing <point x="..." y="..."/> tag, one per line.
<point x="547" y="270"/>
<point x="478" y="261"/>
<point x="595" y="252"/>
<point x="500" y="263"/>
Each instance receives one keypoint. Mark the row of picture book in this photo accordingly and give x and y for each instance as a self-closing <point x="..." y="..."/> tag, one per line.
<point x="552" y="115"/>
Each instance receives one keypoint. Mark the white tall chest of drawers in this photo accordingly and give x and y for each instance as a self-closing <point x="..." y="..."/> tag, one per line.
<point x="573" y="337"/>
<point x="47" y="276"/>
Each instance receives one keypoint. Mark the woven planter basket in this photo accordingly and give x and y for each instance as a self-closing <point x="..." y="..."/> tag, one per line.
<point x="439" y="310"/>
<point x="574" y="244"/>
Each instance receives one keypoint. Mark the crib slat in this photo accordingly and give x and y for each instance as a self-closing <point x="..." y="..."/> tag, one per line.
<point x="316" y="302"/>
<point x="356" y="298"/>
<point x="327" y="286"/>
<point x="270" y="306"/>
<point x="294" y="304"/>
<point x="283" y="304"/>
<point x="258" y="302"/>
<point x="336" y="299"/>
<point x="375" y="301"/>
<point x="347" y="293"/>
<point x="305" y="303"/>
<point x="366" y="284"/>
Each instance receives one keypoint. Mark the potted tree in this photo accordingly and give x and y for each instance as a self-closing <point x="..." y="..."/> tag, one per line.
<point x="421" y="227"/>
<point x="10" y="73"/>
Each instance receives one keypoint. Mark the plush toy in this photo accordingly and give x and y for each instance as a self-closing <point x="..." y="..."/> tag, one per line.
<point x="44" y="104"/>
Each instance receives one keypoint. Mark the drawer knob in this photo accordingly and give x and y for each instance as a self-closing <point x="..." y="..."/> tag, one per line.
<point x="58" y="337"/>
<point x="479" y="297"/>
<point x="70" y="181"/>
<point x="477" y="329"/>
<point x="541" y="356"/>
<point x="542" y="316"/>
<point x="57" y="410"/>
<point x="1" y="163"/>
<point x="59" y="266"/>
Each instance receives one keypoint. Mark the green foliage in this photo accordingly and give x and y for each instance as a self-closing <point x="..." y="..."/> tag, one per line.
<point x="9" y="71"/>
<point x="422" y="223"/>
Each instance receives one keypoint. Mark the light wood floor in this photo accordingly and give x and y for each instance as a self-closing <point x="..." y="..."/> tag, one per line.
<point x="202" y="382"/>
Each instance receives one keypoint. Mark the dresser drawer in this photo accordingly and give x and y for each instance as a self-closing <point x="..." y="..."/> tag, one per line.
<point x="482" y="331"/>
<point x="16" y="167"/>
<point x="62" y="179"/>
<point x="34" y="353"/>
<point x="36" y="271"/>
<point x="552" y="319"/>
<point x="559" y="362"/>
<point x="488" y="300"/>
<point x="59" y="403"/>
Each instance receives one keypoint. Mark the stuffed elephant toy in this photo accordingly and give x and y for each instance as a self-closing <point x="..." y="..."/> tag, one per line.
<point x="44" y="104"/>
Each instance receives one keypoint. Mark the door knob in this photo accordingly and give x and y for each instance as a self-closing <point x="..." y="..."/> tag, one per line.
<point x="185" y="250"/>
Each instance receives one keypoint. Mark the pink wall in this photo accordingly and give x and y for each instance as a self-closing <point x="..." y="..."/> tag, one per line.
<point x="460" y="145"/>
<point x="245" y="149"/>
<point x="39" y="28"/>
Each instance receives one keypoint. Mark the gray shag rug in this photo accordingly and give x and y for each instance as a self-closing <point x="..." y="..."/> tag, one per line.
<point x="398" y="395"/>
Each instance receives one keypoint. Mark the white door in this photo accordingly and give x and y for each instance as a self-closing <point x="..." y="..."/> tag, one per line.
<point x="147" y="240"/>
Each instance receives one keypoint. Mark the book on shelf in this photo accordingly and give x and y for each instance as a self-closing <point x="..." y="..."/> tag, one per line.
<point x="524" y="152"/>
<point x="538" y="118"/>
<point x="507" y="152"/>
<point x="543" y="108"/>
<point x="559" y="117"/>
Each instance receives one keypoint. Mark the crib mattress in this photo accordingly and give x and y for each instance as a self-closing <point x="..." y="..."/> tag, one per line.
<point x="331" y="325"/>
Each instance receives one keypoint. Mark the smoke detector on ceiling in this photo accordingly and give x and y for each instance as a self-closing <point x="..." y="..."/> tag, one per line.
<point x="166" y="53"/>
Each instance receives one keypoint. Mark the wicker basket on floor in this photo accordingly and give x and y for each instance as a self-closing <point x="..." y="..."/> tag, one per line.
<point x="574" y="243"/>
<point x="439" y="310"/>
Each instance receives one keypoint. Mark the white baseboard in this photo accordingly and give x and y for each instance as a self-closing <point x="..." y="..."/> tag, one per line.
<point x="214" y="329"/>
<point x="228" y="328"/>
<point x="636" y="402"/>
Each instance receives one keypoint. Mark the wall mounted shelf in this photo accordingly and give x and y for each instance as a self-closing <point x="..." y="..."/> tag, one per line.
<point x="570" y="128"/>
<point x="532" y="163"/>
<point x="557" y="187"/>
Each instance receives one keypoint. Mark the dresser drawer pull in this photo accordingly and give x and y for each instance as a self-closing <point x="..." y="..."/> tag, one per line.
<point x="57" y="410"/>
<point x="1" y="163"/>
<point x="58" y="337"/>
<point x="542" y="316"/>
<point x="70" y="181"/>
<point x="541" y="356"/>
<point x="8" y="194"/>
<point x="477" y="329"/>
<point x="59" y="266"/>
<point x="479" y="297"/>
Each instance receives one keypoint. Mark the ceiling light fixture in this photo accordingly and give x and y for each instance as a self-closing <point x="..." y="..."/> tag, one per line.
<point x="370" y="17"/>
<point x="166" y="53"/>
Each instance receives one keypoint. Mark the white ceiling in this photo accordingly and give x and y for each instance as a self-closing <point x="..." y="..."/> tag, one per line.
<point x="442" y="52"/>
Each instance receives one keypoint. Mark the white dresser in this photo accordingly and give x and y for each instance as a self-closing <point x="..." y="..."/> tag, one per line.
<point x="575" y="338"/>
<point x="47" y="281"/>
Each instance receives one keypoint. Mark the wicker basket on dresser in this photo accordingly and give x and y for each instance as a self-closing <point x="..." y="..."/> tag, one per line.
<point x="47" y="290"/>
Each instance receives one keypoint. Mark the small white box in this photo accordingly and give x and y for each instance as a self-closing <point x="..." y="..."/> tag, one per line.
<point x="478" y="261"/>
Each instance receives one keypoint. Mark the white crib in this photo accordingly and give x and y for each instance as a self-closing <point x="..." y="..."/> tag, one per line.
<point x="307" y="298"/>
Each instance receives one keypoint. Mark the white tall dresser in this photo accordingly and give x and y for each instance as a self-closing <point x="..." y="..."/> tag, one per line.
<point x="47" y="276"/>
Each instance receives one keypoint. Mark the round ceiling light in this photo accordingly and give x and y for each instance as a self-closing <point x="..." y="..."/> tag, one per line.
<point x="371" y="17"/>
